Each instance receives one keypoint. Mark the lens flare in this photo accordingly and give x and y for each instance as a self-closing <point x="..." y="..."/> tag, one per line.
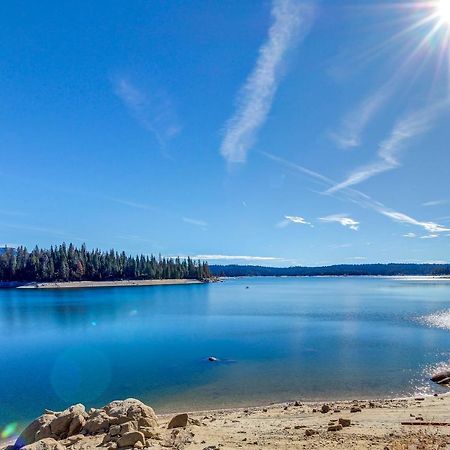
<point x="9" y="430"/>
<point x="443" y="10"/>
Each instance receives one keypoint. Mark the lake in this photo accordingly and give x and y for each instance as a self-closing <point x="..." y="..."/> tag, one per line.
<point x="277" y="339"/>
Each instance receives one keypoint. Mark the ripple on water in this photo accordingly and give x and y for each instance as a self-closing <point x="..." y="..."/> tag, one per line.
<point x="438" y="320"/>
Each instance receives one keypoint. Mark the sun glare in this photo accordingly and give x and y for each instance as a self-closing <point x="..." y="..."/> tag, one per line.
<point x="443" y="10"/>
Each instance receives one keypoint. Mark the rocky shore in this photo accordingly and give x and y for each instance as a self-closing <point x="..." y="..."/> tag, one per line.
<point x="415" y="423"/>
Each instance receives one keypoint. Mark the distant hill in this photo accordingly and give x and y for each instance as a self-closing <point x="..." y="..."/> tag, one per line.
<point x="391" y="269"/>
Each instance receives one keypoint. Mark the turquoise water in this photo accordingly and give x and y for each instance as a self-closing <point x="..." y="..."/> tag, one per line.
<point x="278" y="339"/>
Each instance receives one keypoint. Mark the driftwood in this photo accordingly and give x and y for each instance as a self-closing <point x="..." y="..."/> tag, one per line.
<point x="434" y="424"/>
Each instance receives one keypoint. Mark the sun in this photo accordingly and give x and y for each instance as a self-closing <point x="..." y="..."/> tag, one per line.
<point x="443" y="11"/>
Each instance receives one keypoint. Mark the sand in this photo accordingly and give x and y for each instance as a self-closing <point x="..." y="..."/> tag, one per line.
<point x="95" y="284"/>
<point x="377" y="426"/>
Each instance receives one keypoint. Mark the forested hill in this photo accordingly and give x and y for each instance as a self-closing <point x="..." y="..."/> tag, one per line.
<point x="69" y="263"/>
<point x="337" y="270"/>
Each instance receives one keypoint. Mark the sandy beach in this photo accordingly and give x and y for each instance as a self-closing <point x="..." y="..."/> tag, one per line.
<point x="398" y="424"/>
<point x="96" y="284"/>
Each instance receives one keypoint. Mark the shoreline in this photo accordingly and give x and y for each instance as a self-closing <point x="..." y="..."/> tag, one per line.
<point x="96" y="284"/>
<point x="395" y="424"/>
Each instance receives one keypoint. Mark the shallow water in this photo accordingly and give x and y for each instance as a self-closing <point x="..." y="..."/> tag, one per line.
<point x="280" y="339"/>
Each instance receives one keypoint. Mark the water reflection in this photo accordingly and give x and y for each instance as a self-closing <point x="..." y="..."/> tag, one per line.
<point x="289" y="338"/>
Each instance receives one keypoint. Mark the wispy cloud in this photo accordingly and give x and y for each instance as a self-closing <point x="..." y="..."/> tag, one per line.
<point x="291" y="22"/>
<point x="429" y="236"/>
<point x="129" y="203"/>
<point x="343" y="220"/>
<point x="293" y="219"/>
<point x="410" y="235"/>
<point x="355" y="196"/>
<point x="431" y="227"/>
<point x="154" y="111"/>
<point x="237" y="257"/>
<point x="196" y="222"/>
<point x="435" y="203"/>
<point x="11" y="213"/>
<point x="352" y="126"/>
<point x="409" y="127"/>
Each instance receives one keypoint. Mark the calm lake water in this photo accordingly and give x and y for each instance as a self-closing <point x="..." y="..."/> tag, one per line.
<point x="279" y="339"/>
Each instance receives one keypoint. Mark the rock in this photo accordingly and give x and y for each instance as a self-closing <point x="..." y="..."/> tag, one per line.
<point x="28" y="435"/>
<point x="45" y="444"/>
<point x="345" y="422"/>
<point x="150" y="433"/>
<point x="139" y="445"/>
<point x="98" y="422"/>
<point x="180" y="420"/>
<point x="336" y="427"/>
<point x="197" y="422"/>
<point x="355" y="409"/>
<point x="76" y="425"/>
<point x="131" y="409"/>
<point x="61" y="424"/>
<point x="72" y="440"/>
<point x="128" y="426"/>
<point x="114" y="430"/>
<point x="129" y="439"/>
<point x="310" y="432"/>
<point x="212" y="359"/>
<point x="324" y="409"/>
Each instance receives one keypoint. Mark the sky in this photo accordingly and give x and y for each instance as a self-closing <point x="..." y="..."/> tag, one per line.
<point x="283" y="132"/>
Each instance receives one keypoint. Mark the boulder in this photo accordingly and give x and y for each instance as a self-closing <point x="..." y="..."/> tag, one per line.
<point x="128" y="426"/>
<point x="130" y="438"/>
<point x="180" y="420"/>
<point x="45" y="444"/>
<point x="335" y="427"/>
<point x="99" y="422"/>
<point x="355" y="409"/>
<point x="131" y="409"/>
<point x="442" y="378"/>
<point x="61" y="424"/>
<point x="76" y="425"/>
<point x="28" y="436"/>
<point x="324" y="409"/>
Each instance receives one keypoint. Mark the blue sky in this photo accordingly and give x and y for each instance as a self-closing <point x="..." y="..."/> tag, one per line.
<point x="269" y="132"/>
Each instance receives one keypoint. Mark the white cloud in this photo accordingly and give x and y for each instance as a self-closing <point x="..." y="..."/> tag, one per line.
<point x="153" y="111"/>
<point x="291" y="21"/>
<point x="429" y="236"/>
<point x="239" y="257"/>
<point x="297" y="219"/>
<point x="435" y="203"/>
<point x="431" y="227"/>
<point x="361" y="199"/>
<point x="410" y="235"/>
<point x="196" y="222"/>
<point x="343" y="220"/>
<point x="353" y="125"/>
<point x="293" y="219"/>
<point x="406" y="129"/>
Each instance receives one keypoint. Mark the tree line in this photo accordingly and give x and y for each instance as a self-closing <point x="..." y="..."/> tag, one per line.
<point x="69" y="263"/>
<point x="392" y="269"/>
